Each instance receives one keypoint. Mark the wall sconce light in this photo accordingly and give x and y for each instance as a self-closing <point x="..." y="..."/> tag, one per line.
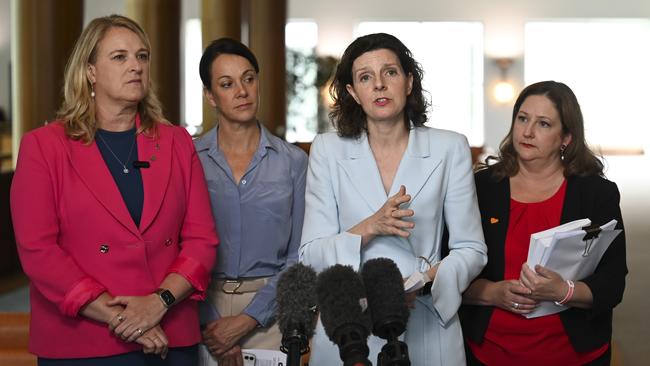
<point x="504" y="92"/>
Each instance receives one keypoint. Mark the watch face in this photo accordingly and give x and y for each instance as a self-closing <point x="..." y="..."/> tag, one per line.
<point x="167" y="297"/>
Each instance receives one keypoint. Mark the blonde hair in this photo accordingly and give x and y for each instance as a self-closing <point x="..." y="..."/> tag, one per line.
<point x="78" y="108"/>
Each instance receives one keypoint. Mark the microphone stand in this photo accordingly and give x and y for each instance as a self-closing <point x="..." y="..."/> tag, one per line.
<point x="394" y="352"/>
<point x="353" y="347"/>
<point x="294" y="345"/>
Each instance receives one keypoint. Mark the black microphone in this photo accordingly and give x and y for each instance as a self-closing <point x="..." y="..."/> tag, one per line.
<point x="296" y="313"/>
<point x="388" y="309"/>
<point x="342" y="303"/>
<point x="141" y="164"/>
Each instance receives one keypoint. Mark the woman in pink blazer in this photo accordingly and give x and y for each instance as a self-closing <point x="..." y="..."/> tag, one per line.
<point x="112" y="215"/>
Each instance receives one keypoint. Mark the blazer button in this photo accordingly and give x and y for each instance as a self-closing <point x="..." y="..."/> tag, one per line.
<point x="168" y="242"/>
<point x="103" y="248"/>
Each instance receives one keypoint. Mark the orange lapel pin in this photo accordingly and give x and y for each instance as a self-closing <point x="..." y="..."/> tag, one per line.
<point x="493" y="220"/>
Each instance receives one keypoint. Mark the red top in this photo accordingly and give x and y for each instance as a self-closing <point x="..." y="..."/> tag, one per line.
<point x="511" y="339"/>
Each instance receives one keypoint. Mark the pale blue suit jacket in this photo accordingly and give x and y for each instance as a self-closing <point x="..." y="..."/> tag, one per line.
<point x="344" y="187"/>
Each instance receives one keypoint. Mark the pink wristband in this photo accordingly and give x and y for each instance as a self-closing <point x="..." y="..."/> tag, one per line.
<point x="569" y="294"/>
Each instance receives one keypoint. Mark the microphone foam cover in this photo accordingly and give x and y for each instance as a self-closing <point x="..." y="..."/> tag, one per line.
<point x="385" y="291"/>
<point x="340" y="293"/>
<point x="296" y="299"/>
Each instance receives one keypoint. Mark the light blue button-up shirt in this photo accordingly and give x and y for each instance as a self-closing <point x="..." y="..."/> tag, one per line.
<point x="259" y="218"/>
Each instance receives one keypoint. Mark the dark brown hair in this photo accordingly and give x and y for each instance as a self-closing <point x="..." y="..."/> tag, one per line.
<point x="223" y="46"/>
<point x="347" y="116"/>
<point x="579" y="160"/>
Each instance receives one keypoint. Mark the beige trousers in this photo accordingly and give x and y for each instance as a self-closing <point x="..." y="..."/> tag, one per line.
<point x="233" y="304"/>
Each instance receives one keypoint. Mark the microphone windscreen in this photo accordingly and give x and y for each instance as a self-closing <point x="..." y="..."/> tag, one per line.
<point x="296" y="299"/>
<point x="385" y="292"/>
<point x="342" y="303"/>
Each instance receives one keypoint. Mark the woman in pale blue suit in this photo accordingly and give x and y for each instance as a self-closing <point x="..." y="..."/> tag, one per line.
<point x="384" y="185"/>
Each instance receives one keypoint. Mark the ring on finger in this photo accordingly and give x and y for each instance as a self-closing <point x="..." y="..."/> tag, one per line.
<point x="120" y="318"/>
<point x="139" y="331"/>
<point x="515" y="305"/>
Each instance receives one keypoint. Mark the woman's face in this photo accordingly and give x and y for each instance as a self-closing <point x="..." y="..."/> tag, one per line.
<point x="380" y="85"/>
<point x="234" y="89"/>
<point x="120" y="74"/>
<point x="537" y="131"/>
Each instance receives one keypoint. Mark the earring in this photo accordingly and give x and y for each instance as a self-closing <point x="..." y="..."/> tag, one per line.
<point x="562" y="148"/>
<point x="92" y="91"/>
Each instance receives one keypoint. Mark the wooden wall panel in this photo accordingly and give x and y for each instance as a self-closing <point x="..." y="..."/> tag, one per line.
<point x="219" y="18"/>
<point x="161" y="19"/>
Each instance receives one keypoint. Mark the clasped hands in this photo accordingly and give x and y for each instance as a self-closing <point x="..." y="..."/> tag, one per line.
<point x="139" y="322"/>
<point x="221" y="338"/>
<point x="522" y="296"/>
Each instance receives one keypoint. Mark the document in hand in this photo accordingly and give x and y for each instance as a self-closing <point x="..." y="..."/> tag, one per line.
<point x="570" y="251"/>
<point x="541" y="243"/>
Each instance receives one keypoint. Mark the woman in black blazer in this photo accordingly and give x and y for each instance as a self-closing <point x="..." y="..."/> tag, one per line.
<point x="545" y="175"/>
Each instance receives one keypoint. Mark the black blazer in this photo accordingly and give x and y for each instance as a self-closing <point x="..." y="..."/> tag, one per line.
<point x="590" y="197"/>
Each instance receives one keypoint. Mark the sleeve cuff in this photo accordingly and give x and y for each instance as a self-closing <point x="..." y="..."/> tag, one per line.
<point x="82" y="293"/>
<point x="262" y="321"/>
<point x="194" y="273"/>
<point x="446" y="296"/>
<point x="343" y="248"/>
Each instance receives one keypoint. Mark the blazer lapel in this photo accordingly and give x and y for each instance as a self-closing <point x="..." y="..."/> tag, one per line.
<point x="360" y="167"/>
<point x="571" y="206"/>
<point x="416" y="166"/>
<point x="87" y="161"/>
<point x="499" y="198"/>
<point x="155" y="179"/>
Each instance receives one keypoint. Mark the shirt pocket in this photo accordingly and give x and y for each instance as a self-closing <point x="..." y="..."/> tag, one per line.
<point x="274" y="200"/>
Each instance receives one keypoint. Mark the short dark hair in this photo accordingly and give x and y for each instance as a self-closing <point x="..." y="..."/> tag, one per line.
<point x="578" y="160"/>
<point x="347" y="116"/>
<point x="219" y="47"/>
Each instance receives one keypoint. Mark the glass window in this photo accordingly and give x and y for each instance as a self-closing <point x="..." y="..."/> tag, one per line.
<point x="605" y="63"/>
<point x="451" y="55"/>
<point x="192" y="86"/>
<point x="301" y="38"/>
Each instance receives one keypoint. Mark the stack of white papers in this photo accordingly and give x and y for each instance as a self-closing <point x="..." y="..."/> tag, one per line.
<point x="563" y="250"/>
<point x="542" y="243"/>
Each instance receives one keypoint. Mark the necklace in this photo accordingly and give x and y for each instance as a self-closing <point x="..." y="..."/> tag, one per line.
<point x="125" y="170"/>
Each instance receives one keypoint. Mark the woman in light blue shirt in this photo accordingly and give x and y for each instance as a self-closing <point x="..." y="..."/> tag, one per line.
<point x="384" y="185"/>
<point x="257" y="187"/>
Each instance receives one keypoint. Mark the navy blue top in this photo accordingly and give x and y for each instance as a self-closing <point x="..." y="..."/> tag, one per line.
<point x="129" y="184"/>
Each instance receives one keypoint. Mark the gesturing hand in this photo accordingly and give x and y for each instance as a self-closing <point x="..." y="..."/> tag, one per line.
<point x="141" y="313"/>
<point x="388" y="220"/>
<point x="510" y="295"/>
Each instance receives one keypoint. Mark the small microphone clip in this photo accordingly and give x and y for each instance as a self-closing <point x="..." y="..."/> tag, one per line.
<point x="141" y="164"/>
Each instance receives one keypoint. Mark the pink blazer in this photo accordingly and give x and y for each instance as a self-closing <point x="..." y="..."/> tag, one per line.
<point x="76" y="238"/>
